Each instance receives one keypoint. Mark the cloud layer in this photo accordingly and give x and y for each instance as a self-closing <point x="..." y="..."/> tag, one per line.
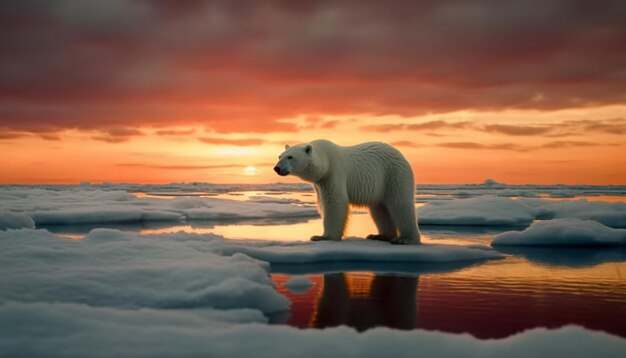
<point x="241" y="66"/>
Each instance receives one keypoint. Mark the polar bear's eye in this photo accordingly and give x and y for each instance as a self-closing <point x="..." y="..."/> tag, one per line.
<point x="290" y="157"/>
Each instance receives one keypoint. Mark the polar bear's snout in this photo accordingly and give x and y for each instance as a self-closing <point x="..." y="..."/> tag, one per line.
<point x="281" y="171"/>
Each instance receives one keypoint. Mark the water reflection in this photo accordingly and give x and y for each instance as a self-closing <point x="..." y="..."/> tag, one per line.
<point x="567" y="256"/>
<point x="365" y="301"/>
<point x="493" y="300"/>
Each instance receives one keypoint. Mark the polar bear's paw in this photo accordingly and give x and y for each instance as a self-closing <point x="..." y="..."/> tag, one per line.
<point x="378" y="237"/>
<point x="402" y="240"/>
<point x="323" y="238"/>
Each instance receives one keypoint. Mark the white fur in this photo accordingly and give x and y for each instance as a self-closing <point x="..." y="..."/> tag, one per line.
<point x="371" y="174"/>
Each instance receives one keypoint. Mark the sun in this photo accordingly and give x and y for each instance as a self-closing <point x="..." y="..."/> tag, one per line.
<point x="250" y="170"/>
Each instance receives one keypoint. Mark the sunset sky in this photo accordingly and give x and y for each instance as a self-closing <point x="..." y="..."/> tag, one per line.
<point x="180" y="91"/>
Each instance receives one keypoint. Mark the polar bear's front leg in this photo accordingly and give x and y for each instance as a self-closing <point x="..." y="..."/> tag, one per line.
<point x="334" y="215"/>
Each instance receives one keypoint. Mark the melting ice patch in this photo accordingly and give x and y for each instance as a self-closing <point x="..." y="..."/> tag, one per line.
<point x="298" y="284"/>
<point x="563" y="232"/>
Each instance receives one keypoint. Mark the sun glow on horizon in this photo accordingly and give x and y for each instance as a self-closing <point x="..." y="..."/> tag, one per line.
<point x="250" y="170"/>
<point x="579" y="146"/>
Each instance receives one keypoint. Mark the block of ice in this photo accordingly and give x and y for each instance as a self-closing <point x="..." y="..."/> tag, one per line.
<point x="563" y="232"/>
<point x="77" y="330"/>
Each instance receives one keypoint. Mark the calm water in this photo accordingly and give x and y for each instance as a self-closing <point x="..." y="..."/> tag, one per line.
<point x="531" y="288"/>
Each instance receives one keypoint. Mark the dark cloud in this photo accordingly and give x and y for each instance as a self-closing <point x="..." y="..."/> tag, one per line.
<point x="438" y="124"/>
<point x="170" y="132"/>
<point x="236" y="142"/>
<point x="241" y="66"/>
<point x="405" y="143"/>
<point x="517" y="130"/>
<point x="117" y="135"/>
<point x="570" y="144"/>
<point x="521" y="148"/>
<point x="481" y="146"/>
<point x="11" y="135"/>
<point x="179" y="167"/>
<point x="610" y="126"/>
<point x="329" y="124"/>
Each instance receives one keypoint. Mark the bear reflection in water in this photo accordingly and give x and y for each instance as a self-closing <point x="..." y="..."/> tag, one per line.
<point x="367" y="301"/>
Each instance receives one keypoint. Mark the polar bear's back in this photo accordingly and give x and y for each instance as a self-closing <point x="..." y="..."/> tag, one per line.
<point x="374" y="172"/>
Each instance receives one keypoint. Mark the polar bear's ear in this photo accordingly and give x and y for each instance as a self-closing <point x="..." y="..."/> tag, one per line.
<point x="308" y="149"/>
<point x="286" y="146"/>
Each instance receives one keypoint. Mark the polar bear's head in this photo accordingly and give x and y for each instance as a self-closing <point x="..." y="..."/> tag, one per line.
<point x="295" y="160"/>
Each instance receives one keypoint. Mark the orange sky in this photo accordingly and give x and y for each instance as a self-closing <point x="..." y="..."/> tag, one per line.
<point x="164" y="91"/>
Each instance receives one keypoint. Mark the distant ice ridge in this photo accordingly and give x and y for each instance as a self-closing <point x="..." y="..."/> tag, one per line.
<point x="563" y="232"/>
<point x="24" y="207"/>
<point x="491" y="210"/>
<point x="78" y="330"/>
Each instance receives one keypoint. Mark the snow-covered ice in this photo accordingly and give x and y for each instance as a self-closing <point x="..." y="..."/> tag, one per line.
<point x="476" y="211"/>
<point x="563" y="232"/>
<point x="77" y="330"/>
<point x="356" y="250"/>
<point x="112" y="268"/>
<point x="82" y="206"/>
<point x="11" y="220"/>
<point x="509" y="212"/>
<point x="116" y="293"/>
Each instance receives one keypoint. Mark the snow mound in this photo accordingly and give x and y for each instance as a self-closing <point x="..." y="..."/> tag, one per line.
<point x="75" y="330"/>
<point x="115" y="269"/>
<point x="563" y="232"/>
<point x="86" y="206"/>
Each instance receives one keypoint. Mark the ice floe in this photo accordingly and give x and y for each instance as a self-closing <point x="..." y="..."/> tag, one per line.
<point x="11" y="220"/>
<point x="563" y="232"/>
<point x="181" y="270"/>
<point x="477" y="211"/>
<point x="112" y="268"/>
<point x="64" y="207"/>
<point x="107" y="204"/>
<point x="494" y="211"/>
<point x="356" y="250"/>
<point x="77" y="330"/>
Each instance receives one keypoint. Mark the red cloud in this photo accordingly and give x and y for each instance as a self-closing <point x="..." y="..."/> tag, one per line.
<point x="242" y="66"/>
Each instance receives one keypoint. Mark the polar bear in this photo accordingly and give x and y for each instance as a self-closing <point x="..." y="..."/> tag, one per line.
<point x="371" y="174"/>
